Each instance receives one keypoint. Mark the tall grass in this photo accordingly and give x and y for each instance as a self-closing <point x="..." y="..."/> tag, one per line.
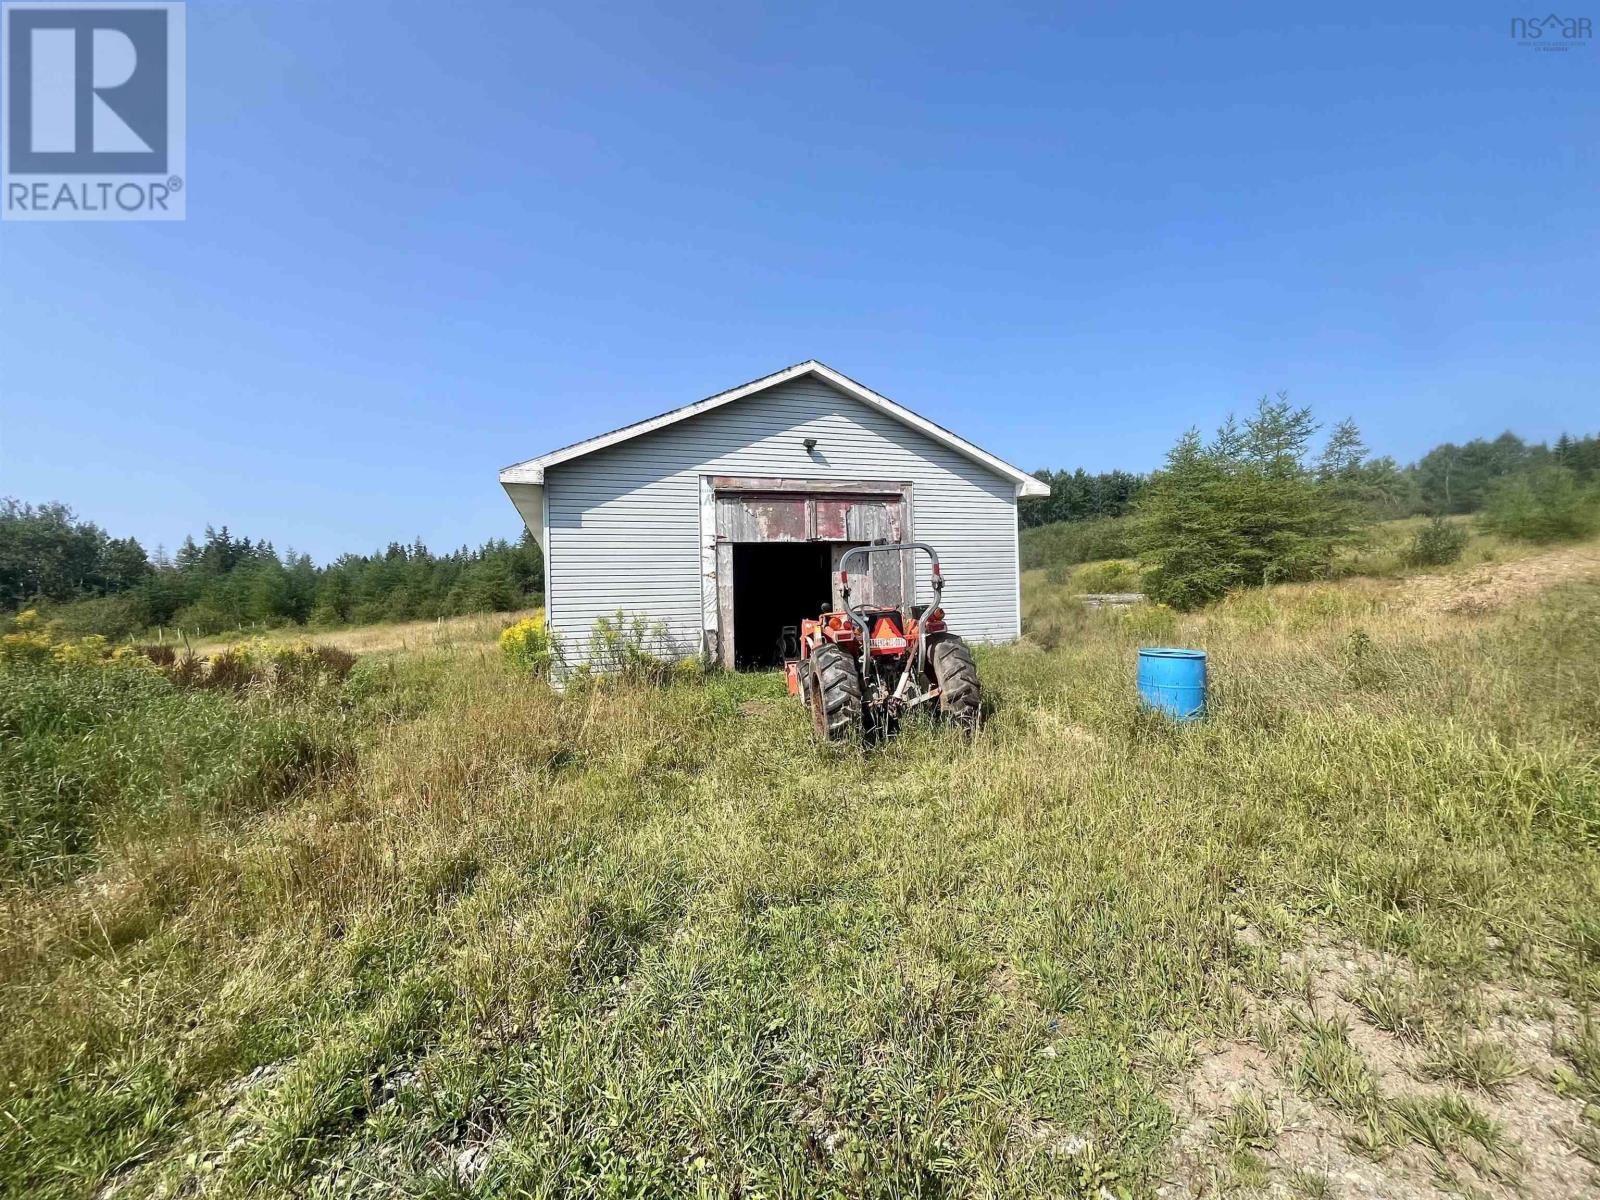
<point x="1389" y="549"/>
<point x="638" y="940"/>
<point x="90" y="752"/>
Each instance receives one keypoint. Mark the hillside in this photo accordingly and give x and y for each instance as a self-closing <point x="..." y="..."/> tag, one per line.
<point x="484" y="939"/>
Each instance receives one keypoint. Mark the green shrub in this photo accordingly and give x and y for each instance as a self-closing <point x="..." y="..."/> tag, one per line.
<point x="324" y="616"/>
<point x="1547" y="504"/>
<point x="629" y="648"/>
<point x="528" y="646"/>
<point x="1117" y="575"/>
<point x="1437" y="543"/>
<point x="204" y="619"/>
<point x="116" y="617"/>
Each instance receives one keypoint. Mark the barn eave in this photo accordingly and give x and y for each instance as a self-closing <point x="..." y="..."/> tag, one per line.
<point x="527" y="475"/>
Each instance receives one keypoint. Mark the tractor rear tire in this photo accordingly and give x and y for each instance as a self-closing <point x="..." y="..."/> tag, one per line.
<point x="835" y="694"/>
<point x="960" y="698"/>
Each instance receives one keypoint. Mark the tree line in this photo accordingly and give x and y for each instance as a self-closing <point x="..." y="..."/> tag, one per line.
<point x="93" y="582"/>
<point x="1449" y="479"/>
<point x="1251" y="505"/>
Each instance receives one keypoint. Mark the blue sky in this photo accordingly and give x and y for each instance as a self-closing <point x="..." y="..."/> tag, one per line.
<point x="427" y="240"/>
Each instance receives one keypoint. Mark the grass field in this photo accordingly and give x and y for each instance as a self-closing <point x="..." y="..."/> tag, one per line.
<point x="446" y="633"/>
<point x="1341" y="939"/>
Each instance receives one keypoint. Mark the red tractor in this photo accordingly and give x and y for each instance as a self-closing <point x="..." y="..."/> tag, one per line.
<point x="864" y="668"/>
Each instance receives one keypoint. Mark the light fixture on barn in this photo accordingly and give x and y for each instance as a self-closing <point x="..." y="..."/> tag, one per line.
<point x="810" y="444"/>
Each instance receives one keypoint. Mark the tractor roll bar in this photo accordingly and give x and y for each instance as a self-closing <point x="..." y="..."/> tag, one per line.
<point x="894" y="548"/>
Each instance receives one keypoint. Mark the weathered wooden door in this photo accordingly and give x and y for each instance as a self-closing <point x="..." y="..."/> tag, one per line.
<point x="780" y="517"/>
<point x="879" y="579"/>
<point x="860" y="519"/>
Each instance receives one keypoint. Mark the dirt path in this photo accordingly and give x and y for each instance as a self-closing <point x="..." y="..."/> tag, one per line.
<point x="1497" y="585"/>
<point x="1350" y="1110"/>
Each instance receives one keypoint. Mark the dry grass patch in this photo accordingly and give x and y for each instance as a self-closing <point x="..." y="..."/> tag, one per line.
<point x="1500" y="585"/>
<point x="445" y="633"/>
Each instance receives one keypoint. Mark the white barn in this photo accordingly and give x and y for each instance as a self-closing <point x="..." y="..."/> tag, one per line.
<point x="722" y="521"/>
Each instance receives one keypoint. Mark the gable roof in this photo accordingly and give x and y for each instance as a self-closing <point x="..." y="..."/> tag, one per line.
<point x="532" y="471"/>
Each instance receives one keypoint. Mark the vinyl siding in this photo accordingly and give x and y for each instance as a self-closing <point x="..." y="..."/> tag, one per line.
<point x="625" y="532"/>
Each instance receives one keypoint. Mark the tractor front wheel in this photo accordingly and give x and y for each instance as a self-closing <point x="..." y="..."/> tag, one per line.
<point x="835" y="693"/>
<point x="960" y="698"/>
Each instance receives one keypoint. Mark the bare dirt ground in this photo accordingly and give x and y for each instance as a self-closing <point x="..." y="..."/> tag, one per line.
<point x="1264" y="1115"/>
<point x="1498" y="585"/>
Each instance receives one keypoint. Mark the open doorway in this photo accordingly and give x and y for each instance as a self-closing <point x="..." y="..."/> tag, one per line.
<point x="775" y="584"/>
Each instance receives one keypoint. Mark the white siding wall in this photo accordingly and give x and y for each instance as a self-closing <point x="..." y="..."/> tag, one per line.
<point x="625" y="521"/>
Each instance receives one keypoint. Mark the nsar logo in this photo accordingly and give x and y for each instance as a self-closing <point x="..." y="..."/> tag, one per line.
<point x="1552" y="32"/>
<point x="93" y="124"/>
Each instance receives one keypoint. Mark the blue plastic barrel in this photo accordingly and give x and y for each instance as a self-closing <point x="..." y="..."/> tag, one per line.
<point x="1173" y="681"/>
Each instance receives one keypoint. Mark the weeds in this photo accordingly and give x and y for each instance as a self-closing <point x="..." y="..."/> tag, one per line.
<point x="633" y="650"/>
<point x="1246" y="1129"/>
<point x="1330" y="1068"/>
<point x="1477" y="1062"/>
<point x="634" y="939"/>
<point x="289" y="668"/>
<point x="1310" y="1185"/>
<point x="1386" y="1001"/>
<point x="89" y="753"/>
<point x="1580" y="1075"/>
<point x="1451" y="1125"/>
<point x="529" y="646"/>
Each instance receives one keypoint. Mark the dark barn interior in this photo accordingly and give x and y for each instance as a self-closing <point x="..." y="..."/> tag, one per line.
<point x="775" y="584"/>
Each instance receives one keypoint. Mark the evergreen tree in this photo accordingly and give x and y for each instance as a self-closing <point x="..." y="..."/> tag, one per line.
<point x="1247" y="509"/>
<point x="1545" y="504"/>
